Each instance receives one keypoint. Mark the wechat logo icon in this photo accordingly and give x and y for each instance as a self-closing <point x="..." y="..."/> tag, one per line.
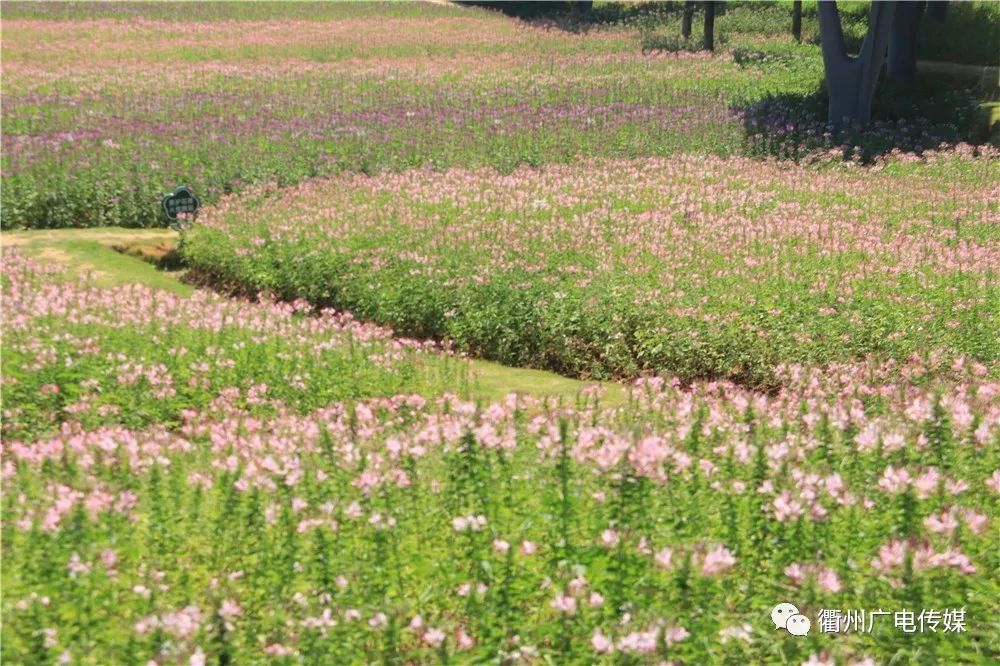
<point x="786" y="616"/>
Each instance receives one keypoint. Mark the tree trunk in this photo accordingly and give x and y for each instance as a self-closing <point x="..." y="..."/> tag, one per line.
<point x="710" y="25"/>
<point x="902" y="66"/>
<point x="797" y="20"/>
<point x="851" y="81"/>
<point x="688" y="18"/>
<point x="937" y="10"/>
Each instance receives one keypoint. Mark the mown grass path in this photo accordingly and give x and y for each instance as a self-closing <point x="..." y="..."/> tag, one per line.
<point x="94" y="250"/>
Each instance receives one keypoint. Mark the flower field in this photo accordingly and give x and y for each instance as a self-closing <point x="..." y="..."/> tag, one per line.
<point x="288" y="460"/>
<point x="271" y="100"/>
<point x="105" y="106"/>
<point x="256" y="526"/>
<point x="693" y="267"/>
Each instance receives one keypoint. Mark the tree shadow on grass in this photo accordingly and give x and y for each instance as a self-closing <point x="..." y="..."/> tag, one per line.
<point x="930" y="115"/>
<point x="582" y="17"/>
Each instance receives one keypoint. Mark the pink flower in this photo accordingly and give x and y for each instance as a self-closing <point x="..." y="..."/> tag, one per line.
<point x="609" y="538"/>
<point x="834" y="484"/>
<point x="640" y="642"/>
<point x="895" y="481"/>
<point x="956" y="486"/>
<point x="954" y="559"/>
<point x="278" y="650"/>
<point x="465" y="641"/>
<point x="889" y="556"/>
<point x="673" y="635"/>
<point x="944" y="523"/>
<point x="927" y="483"/>
<point x="501" y="546"/>
<point x="230" y="609"/>
<point x="664" y="558"/>
<point x="184" y="623"/>
<point x="893" y="441"/>
<point x="717" y="561"/>
<point x="601" y="643"/>
<point x="528" y="548"/>
<point x="796" y="572"/>
<point x="975" y="521"/>
<point x="982" y="433"/>
<point x="146" y="624"/>
<point x="647" y="456"/>
<point x="564" y="604"/>
<point x="434" y="637"/>
<point x="920" y="409"/>
<point x="77" y="566"/>
<point x="993" y="483"/>
<point x="867" y="439"/>
<point x="828" y="581"/>
<point x="785" y="508"/>
<point x="110" y="561"/>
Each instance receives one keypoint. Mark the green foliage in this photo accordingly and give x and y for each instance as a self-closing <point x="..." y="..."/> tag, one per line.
<point x="971" y="34"/>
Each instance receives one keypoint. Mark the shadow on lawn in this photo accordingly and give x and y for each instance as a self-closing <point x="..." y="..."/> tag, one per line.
<point x="910" y="120"/>
<point x="581" y="17"/>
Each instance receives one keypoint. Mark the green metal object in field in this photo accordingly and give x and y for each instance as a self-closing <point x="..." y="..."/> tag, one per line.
<point x="181" y="207"/>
